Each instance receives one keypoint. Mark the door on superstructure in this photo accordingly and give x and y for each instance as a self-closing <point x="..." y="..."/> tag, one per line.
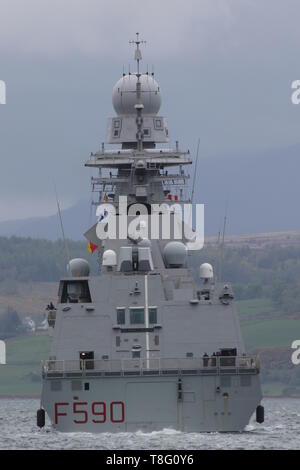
<point x="86" y="359"/>
<point x="151" y="405"/>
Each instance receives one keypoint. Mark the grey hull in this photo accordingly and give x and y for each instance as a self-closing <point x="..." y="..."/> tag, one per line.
<point x="121" y="404"/>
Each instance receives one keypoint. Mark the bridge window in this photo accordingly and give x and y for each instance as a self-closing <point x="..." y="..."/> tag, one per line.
<point x="74" y="292"/>
<point x="152" y="315"/>
<point x="137" y="315"/>
<point x="136" y="354"/>
<point x="121" y="316"/>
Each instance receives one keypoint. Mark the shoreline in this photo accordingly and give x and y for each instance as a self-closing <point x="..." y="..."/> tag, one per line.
<point x="37" y="397"/>
<point x="19" y="397"/>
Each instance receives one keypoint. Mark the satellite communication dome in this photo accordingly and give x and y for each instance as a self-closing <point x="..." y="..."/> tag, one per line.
<point x="124" y="96"/>
<point x="206" y="271"/>
<point x="175" y="254"/>
<point x="78" y="267"/>
<point x="145" y="242"/>
<point x="109" y="258"/>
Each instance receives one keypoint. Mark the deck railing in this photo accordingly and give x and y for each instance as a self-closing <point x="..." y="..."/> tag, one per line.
<point x="153" y="366"/>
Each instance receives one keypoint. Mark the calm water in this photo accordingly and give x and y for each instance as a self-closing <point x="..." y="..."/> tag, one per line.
<point x="281" y="430"/>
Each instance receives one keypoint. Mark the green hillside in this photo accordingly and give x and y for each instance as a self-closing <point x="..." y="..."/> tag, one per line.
<point x="278" y="333"/>
<point x="264" y="327"/>
<point x="21" y="375"/>
<point x="265" y="275"/>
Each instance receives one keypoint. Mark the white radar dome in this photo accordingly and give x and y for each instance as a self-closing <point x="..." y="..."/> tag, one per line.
<point x="175" y="254"/>
<point x="78" y="267"/>
<point x="206" y="271"/>
<point x="124" y="95"/>
<point x="109" y="258"/>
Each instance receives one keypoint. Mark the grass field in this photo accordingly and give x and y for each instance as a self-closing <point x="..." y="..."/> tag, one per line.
<point x="256" y="309"/>
<point x="264" y="327"/>
<point x="271" y="333"/>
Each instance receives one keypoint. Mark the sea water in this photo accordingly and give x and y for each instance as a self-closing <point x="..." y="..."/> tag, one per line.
<point x="281" y="430"/>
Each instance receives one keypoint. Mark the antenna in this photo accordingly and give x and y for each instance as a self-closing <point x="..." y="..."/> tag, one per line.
<point x="67" y="254"/>
<point x="195" y="172"/>
<point x="138" y="54"/>
<point x="218" y="251"/>
<point x="194" y="179"/>
<point x="219" y="236"/>
<point x="222" y="244"/>
<point x="138" y="106"/>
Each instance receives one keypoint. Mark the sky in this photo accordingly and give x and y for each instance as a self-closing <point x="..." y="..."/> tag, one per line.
<point x="225" y="69"/>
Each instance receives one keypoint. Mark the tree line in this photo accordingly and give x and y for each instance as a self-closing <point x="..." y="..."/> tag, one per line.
<point x="27" y="259"/>
<point x="272" y="272"/>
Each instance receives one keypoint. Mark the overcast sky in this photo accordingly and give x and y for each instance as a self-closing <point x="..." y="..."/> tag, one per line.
<point x="225" y="69"/>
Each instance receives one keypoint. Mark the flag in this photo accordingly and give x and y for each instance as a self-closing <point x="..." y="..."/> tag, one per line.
<point x="92" y="247"/>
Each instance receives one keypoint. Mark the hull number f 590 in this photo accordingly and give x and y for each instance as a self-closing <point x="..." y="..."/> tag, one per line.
<point x="99" y="412"/>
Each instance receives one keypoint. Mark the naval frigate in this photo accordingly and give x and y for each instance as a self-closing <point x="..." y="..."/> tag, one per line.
<point x="143" y="345"/>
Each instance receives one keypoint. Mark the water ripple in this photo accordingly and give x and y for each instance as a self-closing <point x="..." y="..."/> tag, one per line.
<point x="281" y="430"/>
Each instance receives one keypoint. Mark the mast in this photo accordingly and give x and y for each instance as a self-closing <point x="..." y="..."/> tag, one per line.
<point x="139" y="106"/>
<point x="139" y="170"/>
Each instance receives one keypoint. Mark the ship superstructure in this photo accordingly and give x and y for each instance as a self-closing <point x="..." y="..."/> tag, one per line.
<point x="142" y="346"/>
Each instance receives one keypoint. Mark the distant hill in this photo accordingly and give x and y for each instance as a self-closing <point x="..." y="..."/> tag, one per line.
<point x="75" y="219"/>
<point x="261" y="192"/>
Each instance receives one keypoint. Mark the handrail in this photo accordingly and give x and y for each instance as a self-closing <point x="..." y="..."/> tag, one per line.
<point x="140" y="365"/>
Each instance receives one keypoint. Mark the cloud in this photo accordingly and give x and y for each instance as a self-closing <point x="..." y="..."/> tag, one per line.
<point x="102" y="28"/>
<point x="190" y="29"/>
<point x="225" y="68"/>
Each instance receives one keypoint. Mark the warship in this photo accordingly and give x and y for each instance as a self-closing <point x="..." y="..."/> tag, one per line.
<point x="144" y="345"/>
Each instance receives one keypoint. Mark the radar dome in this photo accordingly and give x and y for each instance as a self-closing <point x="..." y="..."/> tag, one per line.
<point x="175" y="254"/>
<point x="78" y="267"/>
<point x="109" y="258"/>
<point x="145" y="243"/>
<point x="124" y="95"/>
<point x="206" y="271"/>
